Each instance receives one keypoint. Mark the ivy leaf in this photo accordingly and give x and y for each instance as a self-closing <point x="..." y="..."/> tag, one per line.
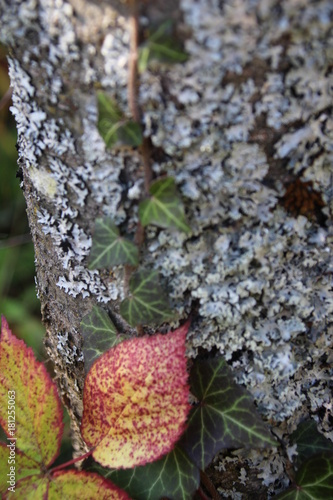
<point x="109" y="248"/>
<point x="225" y="416"/>
<point x="164" y="208"/>
<point x="173" y="476"/>
<point x="38" y="412"/>
<point x="113" y="127"/>
<point x="99" y="335"/>
<point x="148" y="302"/>
<point x="35" y="441"/>
<point x="163" y="46"/>
<point x="136" y="400"/>
<point x="314" y="480"/>
<point x="309" y="441"/>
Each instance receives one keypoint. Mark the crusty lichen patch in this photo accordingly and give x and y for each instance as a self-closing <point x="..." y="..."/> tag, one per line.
<point x="249" y="111"/>
<point x="263" y="278"/>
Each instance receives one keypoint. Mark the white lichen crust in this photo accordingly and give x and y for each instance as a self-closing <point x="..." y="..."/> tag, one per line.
<point x="250" y="110"/>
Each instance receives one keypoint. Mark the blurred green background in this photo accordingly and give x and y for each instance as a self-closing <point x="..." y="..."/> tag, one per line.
<point x="18" y="301"/>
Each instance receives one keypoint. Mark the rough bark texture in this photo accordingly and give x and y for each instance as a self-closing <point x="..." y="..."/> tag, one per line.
<point x="245" y="128"/>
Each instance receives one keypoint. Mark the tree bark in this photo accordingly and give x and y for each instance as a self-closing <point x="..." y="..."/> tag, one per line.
<point x="245" y="128"/>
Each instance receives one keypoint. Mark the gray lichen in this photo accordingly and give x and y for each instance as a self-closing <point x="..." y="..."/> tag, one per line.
<point x="250" y="109"/>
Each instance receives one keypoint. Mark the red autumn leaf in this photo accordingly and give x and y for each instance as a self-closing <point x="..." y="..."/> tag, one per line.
<point x="71" y="484"/>
<point x="38" y="413"/>
<point x="84" y="485"/>
<point x="33" y="442"/>
<point x="14" y="461"/>
<point x="136" y="400"/>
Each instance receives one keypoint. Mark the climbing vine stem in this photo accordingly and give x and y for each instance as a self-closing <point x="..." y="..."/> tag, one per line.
<point x="133" y="92"/>
<point x="133" y="102"/>
<point x="133" y="80"/>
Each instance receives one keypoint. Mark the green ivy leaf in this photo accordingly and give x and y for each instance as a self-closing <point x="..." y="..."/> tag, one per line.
<point x="130" y="134"/>
<point x="309" y="441"/>
<point x="164" y="208"/>
<point x="113" y="127"/>
<point x="314" y="480"/>
<point x="109" y="248"/>
<point x="225" y="416"/>
<point x="174" y="476"/>
<point x="148" y="302"/>
<point x="99" y="335"/>
<point x="163" y="46"/>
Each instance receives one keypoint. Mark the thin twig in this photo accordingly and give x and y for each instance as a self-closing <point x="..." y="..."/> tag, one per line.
<point x="16" y="241"/>
<point x="202" y="494"/>
<point x="146" y="150"/>
<point x="140" y="330"/>
<point x="6" y="98"/>
<point x="209" y="486"/>
<point x="133" y="78"/>
<point x="128" y="270"/>
<point x="139" y="238"/>
<point x="133" y="91"/>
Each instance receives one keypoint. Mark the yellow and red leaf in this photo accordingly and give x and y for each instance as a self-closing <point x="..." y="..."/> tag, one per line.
<point x="136" y="400"/>
<point x="18" y="462"/>
<point x="76" y="485"/>
<point x="83" y="485"/>
<point x="38" y="413"/>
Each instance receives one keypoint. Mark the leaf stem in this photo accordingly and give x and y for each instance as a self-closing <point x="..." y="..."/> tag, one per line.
<point x="202" y="494"/>
<point x="209" y="485"/>
<point x="71" y="462"/>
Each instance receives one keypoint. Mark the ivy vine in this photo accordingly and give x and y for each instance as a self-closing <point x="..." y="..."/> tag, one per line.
<point x="224" y="416"/>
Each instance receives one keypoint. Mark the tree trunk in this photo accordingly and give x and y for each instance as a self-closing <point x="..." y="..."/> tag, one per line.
<point x="245" y="129"/>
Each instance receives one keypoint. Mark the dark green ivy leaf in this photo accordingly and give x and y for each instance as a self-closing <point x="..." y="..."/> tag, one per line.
<point x="164" y="208"/>
<point x="173" y="476"/>
<point x="162" y="45"/>
<point x="225" y="416"/>
<point x="314" y="480"/>
<point x="309" y="441"/>
<point x="99" y="335"/>
<point x="113" y="127"/>
<point x="147" y="303"/>
<point x="109" y="248"/>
